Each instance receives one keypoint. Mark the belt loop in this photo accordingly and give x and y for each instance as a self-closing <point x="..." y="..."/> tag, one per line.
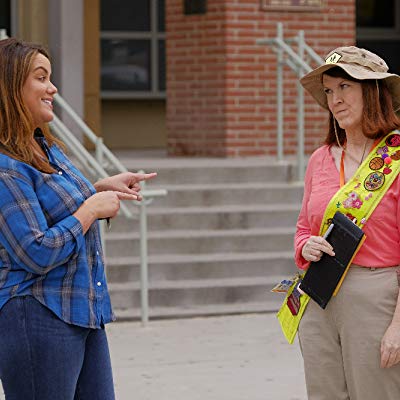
<point x="372" y="268"/>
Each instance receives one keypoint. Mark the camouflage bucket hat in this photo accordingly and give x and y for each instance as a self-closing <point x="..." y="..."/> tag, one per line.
<point x="360" y="64"/>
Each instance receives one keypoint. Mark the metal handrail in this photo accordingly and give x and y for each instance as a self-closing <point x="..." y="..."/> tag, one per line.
<point x="95" y="166"/>
<point x="79" y="151"/>
<point x="101" y="148"/>
<point x="297" y="62"/>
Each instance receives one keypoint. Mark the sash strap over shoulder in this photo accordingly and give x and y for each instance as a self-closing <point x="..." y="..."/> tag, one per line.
<point x="358" y="198"/>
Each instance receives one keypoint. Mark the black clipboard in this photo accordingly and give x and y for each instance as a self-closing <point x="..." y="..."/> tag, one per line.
<point x="324" y="277"/>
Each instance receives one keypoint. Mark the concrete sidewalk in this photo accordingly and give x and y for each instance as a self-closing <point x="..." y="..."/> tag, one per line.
<point x="238" y="358"/>
<point x="221" y="358"/>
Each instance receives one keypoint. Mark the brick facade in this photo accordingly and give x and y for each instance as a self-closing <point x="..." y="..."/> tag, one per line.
<point x="221" y="85"/>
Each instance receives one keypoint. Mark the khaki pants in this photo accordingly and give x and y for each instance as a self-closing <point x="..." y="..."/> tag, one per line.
<point x="341" y="344"/>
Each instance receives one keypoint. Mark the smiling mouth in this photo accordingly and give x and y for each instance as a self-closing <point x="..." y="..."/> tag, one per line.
<point x="48" y="102"/>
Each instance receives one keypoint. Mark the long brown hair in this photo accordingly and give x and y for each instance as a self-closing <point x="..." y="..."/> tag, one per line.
<point x="378" y="117"/>
<point x="16" y="121"/>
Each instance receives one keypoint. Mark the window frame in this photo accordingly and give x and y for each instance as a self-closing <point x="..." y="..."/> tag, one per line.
<point x="363" y="33"/>
<point x="154" y="36"/>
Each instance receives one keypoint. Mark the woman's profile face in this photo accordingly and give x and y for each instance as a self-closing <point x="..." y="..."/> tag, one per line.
<point x="345" y="101"/>
<point x="38" y="91"/>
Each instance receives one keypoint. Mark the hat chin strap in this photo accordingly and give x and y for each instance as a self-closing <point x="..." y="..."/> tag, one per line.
<point x="336" y="133"/>
<point x="377" y="88"/>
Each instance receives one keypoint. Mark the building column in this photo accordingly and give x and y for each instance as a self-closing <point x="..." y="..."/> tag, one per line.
<point x="66" y="44"/>
<point x="30" y="20"/>
<point x="92" y="94"/>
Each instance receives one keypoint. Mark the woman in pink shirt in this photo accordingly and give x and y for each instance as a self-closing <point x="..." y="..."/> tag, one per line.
<point x="351" y="349"/>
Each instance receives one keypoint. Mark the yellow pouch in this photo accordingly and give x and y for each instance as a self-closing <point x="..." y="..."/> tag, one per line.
<point x="289" y="322"/>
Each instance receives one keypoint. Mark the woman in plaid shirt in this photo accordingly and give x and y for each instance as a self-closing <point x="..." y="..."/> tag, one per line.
<point x="54" y="300"/>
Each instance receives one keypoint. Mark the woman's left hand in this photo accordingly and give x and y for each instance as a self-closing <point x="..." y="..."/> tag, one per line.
<point x="126" y="182"/>
<point x="390" y="346"/>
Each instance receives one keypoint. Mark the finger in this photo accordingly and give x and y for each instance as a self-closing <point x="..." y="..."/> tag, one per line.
<point x="322" y="245"/>
<point x="327" y="250"/>
<point x="145" y="177"/>
<point x="322" y="242"/>
<point x="129" y="191"/>
<point x="397" y="360"/>
<point x="311" y="257"/>
<point x="315" y="252"/>
<point x="126" y="196"/>
<point x="384" y="358"/>
<point x="392" y="359"/>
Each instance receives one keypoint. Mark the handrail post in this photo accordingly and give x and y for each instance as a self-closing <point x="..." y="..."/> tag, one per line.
<point x="144" y="270"/>
<point x="99" y="150"/>
<point x="300" y="111"/>
<point x="279" y="98"/>
<point x="99" y="159"/>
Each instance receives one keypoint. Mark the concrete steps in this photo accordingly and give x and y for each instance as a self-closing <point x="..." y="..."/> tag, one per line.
<point x="189" y="171"/>
<point x="187" y="311"/>
<point x="217" y="217"/>
<point x="218" y="242"/>
<point x="212" y="194"/>
<point x="196" y="293"/>
<point x="202" y="241"/>
<point x="173" y="267"/>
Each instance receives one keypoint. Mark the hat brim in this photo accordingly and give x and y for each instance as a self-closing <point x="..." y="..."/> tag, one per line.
<point x="312" y="82"/>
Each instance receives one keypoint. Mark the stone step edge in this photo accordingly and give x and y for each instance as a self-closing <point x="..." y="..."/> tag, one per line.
<point x="134" y="314"/>
<point x="225" y="209"/>
<point x="155" y="210"/>
<point x="201" y="233"/>
<point x="202" y="258"/>
<point x="188" y="187"/>
<point x="221" y="208"/>
<point x="177" y="163"/>
<point x="184" y="284"/>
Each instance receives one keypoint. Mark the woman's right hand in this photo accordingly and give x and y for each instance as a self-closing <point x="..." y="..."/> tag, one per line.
<point x="314" y="247"/>
<point x="100" y="205"/>
<point x="106" y="204"/>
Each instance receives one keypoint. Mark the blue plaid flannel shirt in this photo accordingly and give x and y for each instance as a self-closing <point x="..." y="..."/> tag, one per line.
<point x="43" y="252"/>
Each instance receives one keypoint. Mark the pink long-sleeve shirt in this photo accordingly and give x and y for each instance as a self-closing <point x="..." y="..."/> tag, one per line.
<point x="382" y="244"/>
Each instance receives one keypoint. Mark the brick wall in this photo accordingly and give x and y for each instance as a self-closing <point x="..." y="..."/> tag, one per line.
<point x="221" y="85"/>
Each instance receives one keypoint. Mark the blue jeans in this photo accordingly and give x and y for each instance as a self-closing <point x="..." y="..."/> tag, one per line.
<point x="43" y="358"/>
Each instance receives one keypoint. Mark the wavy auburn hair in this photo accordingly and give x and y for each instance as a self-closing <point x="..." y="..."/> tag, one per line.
<point x="378" y="117"/>
<point x="16" y="122"/>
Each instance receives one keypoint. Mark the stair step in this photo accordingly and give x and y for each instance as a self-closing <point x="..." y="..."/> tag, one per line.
<point x="210" y="194"/>
<point x="199" y="170"/>
<point x="215" y="217"/>
<point x="134" y="314"/>
<point x="200" y="283"/>
<point x="196" y="292"/>
<point x="201" y="266"/>
<point x="202" y="241"/>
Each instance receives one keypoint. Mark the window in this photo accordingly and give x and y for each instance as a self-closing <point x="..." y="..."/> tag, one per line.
<point x="378" y="29"/>
<point x="5" y="16"/>
<point x="133" y="49"/>
<point x="377" y="18"/>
